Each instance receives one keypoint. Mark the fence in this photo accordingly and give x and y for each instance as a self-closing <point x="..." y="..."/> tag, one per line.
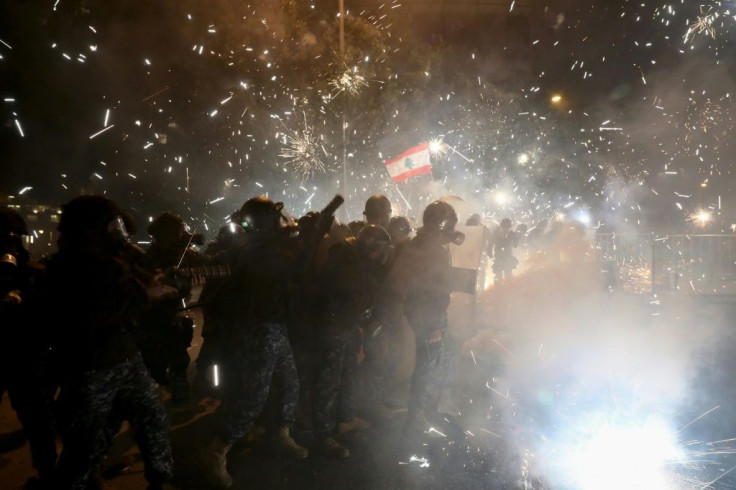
<point x="691" y="264"/>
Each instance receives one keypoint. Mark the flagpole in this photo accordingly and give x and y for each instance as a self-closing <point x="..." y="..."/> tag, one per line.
<point x="344" y="150"/>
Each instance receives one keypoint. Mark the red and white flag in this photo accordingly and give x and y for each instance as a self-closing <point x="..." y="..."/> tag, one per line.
<point x="414" y="161"/>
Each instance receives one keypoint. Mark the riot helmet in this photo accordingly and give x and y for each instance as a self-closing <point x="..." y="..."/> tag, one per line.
<point x="378" y="210"/>
<point x="260" y="214"/>
<point x="94" y="219"/>
<point x="440" y="217"/>
<point x="169" y="229"/>
<point x="399" y="228"/>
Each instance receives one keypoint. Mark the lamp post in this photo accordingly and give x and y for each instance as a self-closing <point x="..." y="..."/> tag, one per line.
<point x="344" y="151"/>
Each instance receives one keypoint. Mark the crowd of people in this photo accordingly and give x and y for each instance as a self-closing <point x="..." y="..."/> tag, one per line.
<point x="96" y="330"/>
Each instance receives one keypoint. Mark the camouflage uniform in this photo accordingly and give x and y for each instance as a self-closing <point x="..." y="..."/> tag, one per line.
<point x="348" y="283"/>
<point x="87" y="403"/>
<point x="255" y="303"/>
<point x="97" y="301"/>
<point x="260" y="355"/>
<point x="334" y="390"/>
<point x="421" y="275"/>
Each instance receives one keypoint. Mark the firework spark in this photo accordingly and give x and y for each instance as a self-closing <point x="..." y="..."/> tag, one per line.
<point x="350" y="82"/>
<point x="704" y="24"/>
<point x="438" y="148"/>
<point x="304" y="151"/>
<point x="701" y="217"/>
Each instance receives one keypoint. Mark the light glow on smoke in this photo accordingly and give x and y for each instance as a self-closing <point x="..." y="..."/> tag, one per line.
<point x="607" y="453"/>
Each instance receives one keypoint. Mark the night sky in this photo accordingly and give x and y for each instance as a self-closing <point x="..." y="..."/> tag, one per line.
<point x="200" y="105"/>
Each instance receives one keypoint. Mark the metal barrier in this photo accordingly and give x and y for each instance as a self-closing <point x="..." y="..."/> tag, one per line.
<point x="690" y="264"/>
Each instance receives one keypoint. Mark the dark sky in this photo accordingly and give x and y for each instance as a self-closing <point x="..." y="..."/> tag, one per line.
<point x="621" y="62"/>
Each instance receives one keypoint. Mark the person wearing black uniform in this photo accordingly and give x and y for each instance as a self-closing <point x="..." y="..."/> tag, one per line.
<point x="216" y="254"/>
<point x="95" y="297"/>
<point x="347" y="286"/>
<point x="265" y="269"/>
<point x="22" y="350"/>
<point x="378" y="211"/>
<point x="166" y="332"/>
<point x="422" y="278"/>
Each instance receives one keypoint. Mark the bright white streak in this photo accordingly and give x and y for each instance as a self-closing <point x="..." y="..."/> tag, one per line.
<point x="101" y="131"/>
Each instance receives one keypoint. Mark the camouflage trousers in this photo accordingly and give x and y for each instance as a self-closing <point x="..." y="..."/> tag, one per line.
<point x="432" y="371"/>
<point x="261" y="354"/>
<point x="94" y="402"/>
<point x="334" y="384"/>
<point x="382" y="359"/>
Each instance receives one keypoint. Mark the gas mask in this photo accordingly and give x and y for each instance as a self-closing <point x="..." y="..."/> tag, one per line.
<point x="447" y="229"/>
<point x="455" y="237"/>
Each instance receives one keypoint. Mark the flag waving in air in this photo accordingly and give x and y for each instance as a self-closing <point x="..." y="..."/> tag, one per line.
<point x="414" y="161"/>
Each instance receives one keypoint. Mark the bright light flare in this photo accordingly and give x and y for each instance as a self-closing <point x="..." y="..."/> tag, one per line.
<point x="523" y="159"/>
<point x="610" y="454"/>
<point x="437" y="147"/>
<point x="501" y="198"/>
<point x="701" y="217"/>
<point x="556" y="99"/>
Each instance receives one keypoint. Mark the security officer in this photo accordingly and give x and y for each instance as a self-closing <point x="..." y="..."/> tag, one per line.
<point x="22" y="350"/>
<point x="347" y="285"/>
<point x="94" y="297"/>
<point x="265" y="269"/>
<point x="216" y="255"/>
<point x="378" y="211"/>
<point x="422" y="278"/>
<point x="166" y="332"/>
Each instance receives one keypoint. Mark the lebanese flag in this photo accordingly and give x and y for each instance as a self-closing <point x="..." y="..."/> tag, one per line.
<point x="414" y="161"/>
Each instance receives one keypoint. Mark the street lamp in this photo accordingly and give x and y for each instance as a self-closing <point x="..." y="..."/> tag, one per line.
<point x="344" y="150"/>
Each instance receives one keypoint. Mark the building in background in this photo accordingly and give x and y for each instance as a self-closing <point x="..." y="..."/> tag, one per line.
<point x="42" y="221"/>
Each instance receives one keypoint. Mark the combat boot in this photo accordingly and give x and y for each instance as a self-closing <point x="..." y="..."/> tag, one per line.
<point x="352" y="426"/>
<point x="283" y="443"/>
<point x="333" y="449"/>
<point x="214" y="463"/>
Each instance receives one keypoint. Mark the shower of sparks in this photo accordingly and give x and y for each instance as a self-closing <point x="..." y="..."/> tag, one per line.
<point x="437" y="148"/>
<point x="350" y="82"/>
<point x="304" y="151"/>
<point x="701" y="217"/>
<point x="423" y="462"/>
<point x="703" y="25"/>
